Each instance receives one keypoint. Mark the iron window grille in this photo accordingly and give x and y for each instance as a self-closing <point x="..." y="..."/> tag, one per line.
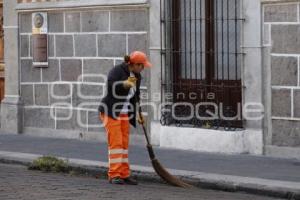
<point x="201" y="63"/>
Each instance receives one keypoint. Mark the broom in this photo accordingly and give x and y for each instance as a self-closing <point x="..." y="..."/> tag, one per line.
<point x="159" y="169"/>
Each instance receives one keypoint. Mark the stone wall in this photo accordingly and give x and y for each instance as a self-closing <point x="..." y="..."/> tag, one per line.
<point x="281" y="32"/>
<point x="84" y="44"/>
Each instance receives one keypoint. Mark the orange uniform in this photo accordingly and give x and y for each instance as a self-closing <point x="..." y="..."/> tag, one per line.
<point x="117" y="115"/>
<point x="118" y="140"/>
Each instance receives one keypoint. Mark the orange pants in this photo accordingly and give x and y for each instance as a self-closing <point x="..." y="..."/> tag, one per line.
<point x="118" y="140"/>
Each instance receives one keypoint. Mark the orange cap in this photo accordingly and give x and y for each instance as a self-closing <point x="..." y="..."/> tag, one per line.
<point x="138" y="57"/>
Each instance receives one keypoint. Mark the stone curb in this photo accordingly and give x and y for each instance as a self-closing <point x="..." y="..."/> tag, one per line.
<point x="265" y="187"/>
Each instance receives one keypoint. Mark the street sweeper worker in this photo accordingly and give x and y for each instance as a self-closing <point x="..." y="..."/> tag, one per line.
<point x="118" y="109"/>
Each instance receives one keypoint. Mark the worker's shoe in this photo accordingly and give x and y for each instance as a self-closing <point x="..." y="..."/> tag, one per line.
<point x="117" y="181"/>
<point x="130" y="181"/>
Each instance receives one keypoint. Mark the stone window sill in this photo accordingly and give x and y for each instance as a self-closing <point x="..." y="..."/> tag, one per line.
<point x="278" y="1"/>
<point x="79" y="3"/>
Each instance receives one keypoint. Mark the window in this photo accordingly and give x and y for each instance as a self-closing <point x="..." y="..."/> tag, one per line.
<point x="202" y="63"/>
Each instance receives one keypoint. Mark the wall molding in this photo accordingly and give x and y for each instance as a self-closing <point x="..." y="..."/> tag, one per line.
<point x="280" y="1"/>
<point x="80" y="4"/>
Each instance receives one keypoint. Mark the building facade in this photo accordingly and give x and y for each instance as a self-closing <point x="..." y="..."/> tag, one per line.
<point x="225" y="76"/>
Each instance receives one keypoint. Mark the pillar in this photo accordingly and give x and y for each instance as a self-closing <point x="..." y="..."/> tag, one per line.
<point x="11" y="107"/>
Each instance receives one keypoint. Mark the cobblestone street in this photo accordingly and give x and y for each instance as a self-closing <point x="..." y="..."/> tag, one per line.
<point x="17" y="183"/>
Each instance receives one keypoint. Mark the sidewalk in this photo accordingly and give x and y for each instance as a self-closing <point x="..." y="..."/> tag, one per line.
<point x="269" y="176"/>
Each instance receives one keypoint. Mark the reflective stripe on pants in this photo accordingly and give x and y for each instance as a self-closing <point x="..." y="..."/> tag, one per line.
<point x="118" y="139"/>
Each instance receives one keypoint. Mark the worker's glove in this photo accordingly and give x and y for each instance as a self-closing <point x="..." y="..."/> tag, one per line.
<point x="141" y="119"/>
<point x="130" y="82"/>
